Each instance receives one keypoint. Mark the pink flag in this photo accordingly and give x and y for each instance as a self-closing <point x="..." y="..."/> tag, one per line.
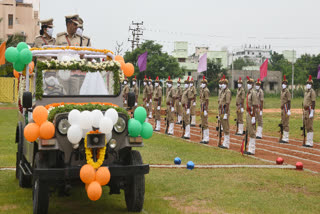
<point x="142" y="61"/>
<point x="318" y="77"/>
<point x="202" y="66"/>
<point x="264" y="70"/>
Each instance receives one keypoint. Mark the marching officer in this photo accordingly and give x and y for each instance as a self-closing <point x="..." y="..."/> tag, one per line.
<point x="145" y="96"/>
<point x="204" y="99"/>
<point x="260" y="96"/>
<point x="187" y="96"/>
<point x="170" y="107"/>
<point x="178" y="95"/>
<point x="46" y="32"/>
<point x="70" y="38"/>
<point x="252" y="104"/>
<point x="157" y="95"/>
<point x="240" y="103"/>
<point x="285" y="110"/>
<point x="309" y="104"/>
<point x="193" y="102"/>
<point x="126" y="90"/>
<point x="135" y="89"/>
<point x="150" y="97"/>
<point x="85" y="41"/>
<point x="224" y="112"/>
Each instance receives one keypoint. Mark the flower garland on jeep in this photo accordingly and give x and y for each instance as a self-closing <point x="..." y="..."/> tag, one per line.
<point x="101" y="152"/>
<point x="73" y="48"/>
<point x="83" y="65"/>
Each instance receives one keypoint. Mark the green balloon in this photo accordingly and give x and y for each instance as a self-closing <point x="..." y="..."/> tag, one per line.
<point x="134" y="127"/>
<point x="146" y="131"/>
<point x="18" y="66"/>
<point x="140" y="114"/>
<point x="12" y="54"/>
<point x="25" y="56"/>
<point x="21" y="46"/>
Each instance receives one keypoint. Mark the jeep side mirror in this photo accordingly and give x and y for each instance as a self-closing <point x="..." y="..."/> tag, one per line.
<point x="27" y="99"/>
<point x="131" y="99"/>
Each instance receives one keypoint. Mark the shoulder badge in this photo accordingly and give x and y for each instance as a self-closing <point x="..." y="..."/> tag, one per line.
<point x="61" y="34"/>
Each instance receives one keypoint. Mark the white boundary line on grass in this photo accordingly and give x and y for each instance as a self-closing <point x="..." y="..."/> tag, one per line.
<point x="224" y="166"/>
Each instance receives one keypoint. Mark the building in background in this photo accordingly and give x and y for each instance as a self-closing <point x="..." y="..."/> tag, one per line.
<point x="255" y="53"/>
<point x="19" y="17"/>
<point x="290" y="55"/>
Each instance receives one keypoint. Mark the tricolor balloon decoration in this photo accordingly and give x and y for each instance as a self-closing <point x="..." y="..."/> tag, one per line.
<point x="19" y="56"/>
<point x="41" y="128"/>
<point x="137" y="126"/>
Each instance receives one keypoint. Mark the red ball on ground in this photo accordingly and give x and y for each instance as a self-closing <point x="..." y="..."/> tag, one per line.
<point x="299" y="165"/>
<point x="279" y="160"/>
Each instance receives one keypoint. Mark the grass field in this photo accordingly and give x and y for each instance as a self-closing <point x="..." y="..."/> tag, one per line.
<point x="176" y="190"/>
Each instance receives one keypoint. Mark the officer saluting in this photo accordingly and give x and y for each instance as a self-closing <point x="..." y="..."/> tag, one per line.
<point x="193" y="102"/>
<point x="178" y="95"/>
<point x="126" y="90"/>
<point x="170" y="106"/>
<point x="204" y="99"/>
<point x="187" y="96"/>
<point x="285" y="110"/>
<point x="135" y="89"/>
<point x="252" y="103"/>
<point x="260" y="97"/>
<point x="157" y="95"/>
<point x="45" y="37"/>
<point x="309" y="104"/>
<point x="85" y="41"/>
<point x="150" y="97"/>
<point x="69" y="38"/>
<point x="146" y="93"/>
<point x="240" y="103"/>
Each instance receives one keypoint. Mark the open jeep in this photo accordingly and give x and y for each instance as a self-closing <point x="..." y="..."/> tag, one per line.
<point x="61" y="84"/>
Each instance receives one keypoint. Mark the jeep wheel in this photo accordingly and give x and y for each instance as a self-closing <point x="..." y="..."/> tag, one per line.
<point x="135" y="186"/>
<point x="40" y="191"/>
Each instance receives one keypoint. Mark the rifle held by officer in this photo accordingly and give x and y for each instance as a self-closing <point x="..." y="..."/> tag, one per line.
<point x="303" y="128"/>
<point x="281" y="131"/>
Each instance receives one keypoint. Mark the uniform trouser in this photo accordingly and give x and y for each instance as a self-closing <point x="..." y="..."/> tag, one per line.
<point x="157" y="113"/>
<point x="150" y="107"/>
<point x="186" y="117"/>
<point x="178" y="108"/>
<point x="250" y="128"/>
<point x="225" y="124"/>
<point x="259" y="118"/>
<point x="146" y="107"/>
<point x="239" y="117"/>
<point x="170" y="115"/>
<point x="192" y="109"/>
<point x="308" y="122"/>
<point x="285" y="120"/>
<point x="125" y="105"/>
<point x="204" y="121"/>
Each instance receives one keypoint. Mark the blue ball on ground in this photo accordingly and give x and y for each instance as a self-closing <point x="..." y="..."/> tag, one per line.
<point x="177" y="161"/>
<point x="190" y="165"/>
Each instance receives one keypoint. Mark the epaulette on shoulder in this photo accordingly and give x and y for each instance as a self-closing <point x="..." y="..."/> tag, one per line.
<point x="61" y="34"/>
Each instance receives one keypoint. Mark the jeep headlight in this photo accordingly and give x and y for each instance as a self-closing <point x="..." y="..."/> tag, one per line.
<point x="120" y="126"/>
<point x="63" y="126"/>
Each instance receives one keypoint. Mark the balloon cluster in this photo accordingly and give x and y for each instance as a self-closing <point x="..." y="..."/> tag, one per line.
<point x="41" y="128"/>
<point x="137" y="126"/>
<point x="94" y="180"/>
<point x="19" y="56"/>
<point x="127" y="68"/>
<point x="190" y="164"/>
<point x="82" y="123"/>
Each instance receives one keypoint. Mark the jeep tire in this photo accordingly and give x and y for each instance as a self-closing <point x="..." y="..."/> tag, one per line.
<point x="135" y="185"/>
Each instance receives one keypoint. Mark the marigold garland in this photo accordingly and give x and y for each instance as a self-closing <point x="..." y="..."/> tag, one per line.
<point x="74" y="48"/>
<point x="101" y="153"/>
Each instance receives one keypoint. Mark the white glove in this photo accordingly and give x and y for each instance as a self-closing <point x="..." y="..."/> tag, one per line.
<point x="260" y="113"/>
<point x="179" y="103"/>
<point x="194" y="103"/>
<point x="253" y="120"/>
<point x="188" y="111"/>
<point x="289" y="113"/>
<point x="225" y="116"/>
<point x="311" y="114"/>
<point x="150" y="100"/>
<point x="147" y="104"/>
<point x="125" y="102"/>
<point x="135" y="104"/>
<point x="172" y="109"/>
<point x="158" y="108"/>
<point x="241" y="110"/>
<point x="205" y="113"/>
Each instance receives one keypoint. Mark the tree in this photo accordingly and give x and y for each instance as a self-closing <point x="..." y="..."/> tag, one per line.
<point x="239" y="63"/>
<point x="159" y="63"/>
<point x="214" y="74"/>
<point x="119" y="48"/>
<point x="307" y="65"/>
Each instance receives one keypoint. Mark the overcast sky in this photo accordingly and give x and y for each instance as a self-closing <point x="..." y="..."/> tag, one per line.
<point x="285" y="24"/>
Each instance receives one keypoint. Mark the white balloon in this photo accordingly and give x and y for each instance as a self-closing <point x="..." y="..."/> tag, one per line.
<point x="74" y="134"/>
<point x="85" y="131"/>
<point x="75" y="146"/>
<point x="86" y="120"/>
<point x="74" y="117"/>
<point x="96" y="117"/>
<point x="108" y="136"/>
<point x="112" y="114"/>
<point x="105" y="125"/>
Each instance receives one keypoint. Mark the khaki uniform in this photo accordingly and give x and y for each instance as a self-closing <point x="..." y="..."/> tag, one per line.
<point x="225" y="99"/>
<point x="178" y="106"/>
<point x="157" y="95"/>
<point x="252" y="100"/>
<point x="204" y="99"/>
<point x="135" y="89"/>
<point x="260" y="97"/>
<point x="309" y="97"/>
<point x="285" y="100"/>
<point x="193" y="107"/>
<point x="126" y="91"/>
<point x="185" y="101"/>
<point x="150" y="98"/>
<point x="145" y="97"/>
<point x="63" y="39"/>
<point x="170" y="103"/>
<point x="241" y="94"/>
<point x="85" y="41"/>
<point x="40" y="41"/>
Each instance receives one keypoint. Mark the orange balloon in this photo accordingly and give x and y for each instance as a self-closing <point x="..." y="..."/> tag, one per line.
<point x="94" y="191"/>
<point x="86" y="186"/>
<point x="128" y="70"/>
<point x="31" y="132"/>
<point x="118" y="57"/>
<point x="103" y="176"/>
<point x="16" y="74"/>
<point x="47" y="130"/>
<point x="122" y="63"/>
<point x="31" y="67"/>
<point x="40" y="115"/>
<point x="87" y="174"/>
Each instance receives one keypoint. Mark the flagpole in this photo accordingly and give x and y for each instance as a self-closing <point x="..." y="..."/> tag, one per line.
<point x="292" y="73"/>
